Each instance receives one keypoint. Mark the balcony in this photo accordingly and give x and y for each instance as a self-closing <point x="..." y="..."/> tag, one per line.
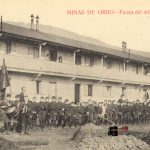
<point x="27" y="64"/>
<point x="112" y="75"/>
<point x="22" y="64"/>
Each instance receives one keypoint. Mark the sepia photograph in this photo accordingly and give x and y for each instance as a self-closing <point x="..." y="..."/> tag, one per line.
<point x="74" y="75"/>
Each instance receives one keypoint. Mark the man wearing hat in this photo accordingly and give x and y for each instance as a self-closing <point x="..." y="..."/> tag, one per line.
<point x="120" y="111"/>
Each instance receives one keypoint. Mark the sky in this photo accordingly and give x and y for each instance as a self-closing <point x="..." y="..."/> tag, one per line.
<point x="124" y="25"/>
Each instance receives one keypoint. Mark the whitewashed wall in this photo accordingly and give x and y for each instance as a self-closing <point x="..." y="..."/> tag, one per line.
<point x="2" y="47"/>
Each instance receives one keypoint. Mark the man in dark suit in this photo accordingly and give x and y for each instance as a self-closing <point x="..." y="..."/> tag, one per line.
<point x="22" y="94"/>
<point x="52" y="110"/>
<point x="24" y="115"/>
<point x="60" y="107"/>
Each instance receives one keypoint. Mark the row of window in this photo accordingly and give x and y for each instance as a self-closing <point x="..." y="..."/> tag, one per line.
<point x="89" y="61"/>
<point x="109" y="63"/>
<point x="108" y="91"/>
<point x="88" y="90"/>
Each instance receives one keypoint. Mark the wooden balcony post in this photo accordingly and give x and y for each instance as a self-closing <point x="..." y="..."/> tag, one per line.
<point x="74" y="57"/>
<point x="40" y="51"/>
<point x="142" y="69"/>
<point x="124" y="65"/>
<point x="74" y="68"/>
<point x="102" y="62"/>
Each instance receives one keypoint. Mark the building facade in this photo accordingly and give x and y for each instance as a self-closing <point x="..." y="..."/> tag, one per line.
<point x="48" y="65"/>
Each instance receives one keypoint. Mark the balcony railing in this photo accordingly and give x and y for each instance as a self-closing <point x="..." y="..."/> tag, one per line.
<point x="48" y="67"/>
<point x="105" y="74"/>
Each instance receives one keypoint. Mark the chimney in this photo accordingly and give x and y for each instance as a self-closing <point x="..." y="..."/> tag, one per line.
<point x="37" y="23"/>
<point x="124" y="46"/>
<point x="32" y="22"/>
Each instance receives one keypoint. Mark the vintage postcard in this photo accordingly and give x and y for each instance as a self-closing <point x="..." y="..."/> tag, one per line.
<point x="74" y="75"/>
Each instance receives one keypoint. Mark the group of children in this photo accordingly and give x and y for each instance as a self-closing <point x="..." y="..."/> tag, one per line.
<point x="56" y="113"/>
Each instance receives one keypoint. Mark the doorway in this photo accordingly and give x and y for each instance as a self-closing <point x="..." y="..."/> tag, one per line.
<point x="77" y="93"/>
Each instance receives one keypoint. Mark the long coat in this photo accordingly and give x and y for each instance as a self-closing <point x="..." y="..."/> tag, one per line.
<point x="21" y="96"/>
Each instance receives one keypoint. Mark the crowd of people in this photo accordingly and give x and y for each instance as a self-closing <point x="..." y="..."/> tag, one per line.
<point x="22" y="114"/>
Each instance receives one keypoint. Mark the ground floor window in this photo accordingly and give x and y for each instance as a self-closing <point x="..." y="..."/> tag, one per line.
<point x="52" y="89"/>
<point x="77" y="93"/>
<point x="88" y="90"/>
<point x="107" y="91"/>
<point x="146" y="94"/>
<point x="60" y="59"/>
<point x="124" y="91"/>
<point x="38" y="87"/>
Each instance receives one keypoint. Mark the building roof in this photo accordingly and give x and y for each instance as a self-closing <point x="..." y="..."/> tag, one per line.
<point x="98" y="47"/>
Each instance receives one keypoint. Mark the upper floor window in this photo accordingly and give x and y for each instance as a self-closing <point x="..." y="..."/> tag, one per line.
<point x="35" y="53"/>
<point x="8" y="48"/>
<point x="146" y="69"/>
<point x="121" y="67"/>
<point x="53" y="56"/>
<point x="132" y="67"/>
<point x="78" y="60"/>
<point x="91" y="61"/>
<point x="137" y="68"/>
<point x="108" y="63"/>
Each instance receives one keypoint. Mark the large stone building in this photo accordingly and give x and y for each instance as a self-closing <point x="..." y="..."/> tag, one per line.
<point x="51" y="65"/>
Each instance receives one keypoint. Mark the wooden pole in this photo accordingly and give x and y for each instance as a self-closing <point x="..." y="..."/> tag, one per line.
<point x="124" y="66"/>
<point x="3" y="94"/>
<point x="40" y="51"/>
<point x="74" y="57"/>
<point x="1" y="23"/>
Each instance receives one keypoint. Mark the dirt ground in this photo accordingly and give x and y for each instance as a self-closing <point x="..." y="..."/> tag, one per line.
<point x="141" y="131"/>
<point x="59" y="139"/>
<point x="49" y="139"/>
